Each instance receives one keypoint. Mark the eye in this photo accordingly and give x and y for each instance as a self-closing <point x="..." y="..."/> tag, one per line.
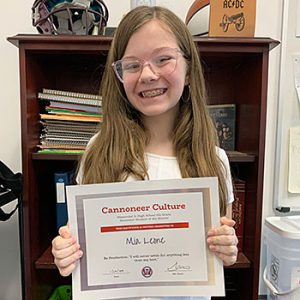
<point x="131" y="66"/>
<point x="163" y="60"/>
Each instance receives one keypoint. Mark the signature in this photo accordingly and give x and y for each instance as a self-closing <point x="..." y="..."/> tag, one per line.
<point x="177" y="267"/>
<point x="134" y="241"/>
<point x="116" y="272"/>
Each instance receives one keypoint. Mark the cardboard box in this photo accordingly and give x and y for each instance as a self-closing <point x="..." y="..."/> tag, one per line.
<point x="232" y="18"/>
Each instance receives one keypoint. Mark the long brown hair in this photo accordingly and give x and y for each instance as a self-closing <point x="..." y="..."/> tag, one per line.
<point x="118" y="149"/>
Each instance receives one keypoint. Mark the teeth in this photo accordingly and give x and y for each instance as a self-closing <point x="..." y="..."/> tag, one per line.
<point x="153" y="93"/>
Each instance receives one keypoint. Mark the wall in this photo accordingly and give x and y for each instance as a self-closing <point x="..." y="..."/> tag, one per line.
<point x="289" y="109"/>
<point x="17" y="19"/>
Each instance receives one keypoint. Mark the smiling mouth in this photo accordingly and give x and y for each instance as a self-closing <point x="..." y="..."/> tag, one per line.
<point x="152" y="93"/>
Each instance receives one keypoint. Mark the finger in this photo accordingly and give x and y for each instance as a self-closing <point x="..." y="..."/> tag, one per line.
<point x="65" y="248"/>
<point x="59" y="243"/>
<point x="226" y="250"/>
<point x="227" y="260"/>
<point x="227" y="221"/>
<point x="222" y="240"/>
<point x="222" y="230"/>
<point x="226" y="241"/>
<point x="68" y="260"/>
<point x="65" y="232"/>
<point x="227" y="254"/>
<point x="67" y="271"/>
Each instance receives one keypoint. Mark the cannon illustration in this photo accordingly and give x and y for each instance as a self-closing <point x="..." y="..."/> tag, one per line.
<point x="238" y="20"/>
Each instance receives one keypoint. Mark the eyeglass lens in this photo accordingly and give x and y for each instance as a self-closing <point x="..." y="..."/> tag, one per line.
<point x="162" y="62"/>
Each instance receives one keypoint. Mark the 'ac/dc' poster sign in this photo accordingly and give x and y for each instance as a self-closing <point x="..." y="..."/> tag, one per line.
<point x="232" y="18"/>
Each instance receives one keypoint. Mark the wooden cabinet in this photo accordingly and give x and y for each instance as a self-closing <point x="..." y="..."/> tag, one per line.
<point x="236" y="71"/>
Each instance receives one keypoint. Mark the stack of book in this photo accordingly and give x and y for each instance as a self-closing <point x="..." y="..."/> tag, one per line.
<point x="69" y="121"/>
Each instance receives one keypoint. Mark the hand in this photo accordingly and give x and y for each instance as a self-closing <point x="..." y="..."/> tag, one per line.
<point x="66" y="251"/>
<point x="223" y="241"/>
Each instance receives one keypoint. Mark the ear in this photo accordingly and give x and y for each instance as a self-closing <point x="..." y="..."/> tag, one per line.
<point x="187" y="80"/>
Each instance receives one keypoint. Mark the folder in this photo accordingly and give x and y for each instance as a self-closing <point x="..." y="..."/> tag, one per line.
<point x="62" y="179"/>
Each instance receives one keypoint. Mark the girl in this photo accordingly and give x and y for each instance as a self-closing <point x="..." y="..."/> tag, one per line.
<point x="156" y="125"/>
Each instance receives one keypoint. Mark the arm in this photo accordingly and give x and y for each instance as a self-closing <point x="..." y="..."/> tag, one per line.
<point x="66" y="251"/>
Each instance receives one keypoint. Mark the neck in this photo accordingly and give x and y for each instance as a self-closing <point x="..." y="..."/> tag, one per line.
<point x="161" y="130"/>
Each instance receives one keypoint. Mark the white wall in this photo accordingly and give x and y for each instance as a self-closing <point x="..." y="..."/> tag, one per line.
<point x="289" y="108"/>
<point x="17" y="19"/>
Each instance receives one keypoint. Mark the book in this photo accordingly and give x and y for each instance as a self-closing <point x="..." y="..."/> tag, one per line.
<point x="73" y="106"/>
<point x="61" y="151"/>
<point x="223" y="116"/>
<point x="71" y="94"/>
<point x="238" y="210"/>
<point x="70" y="125"/>
<point x="70" y="118"/>
<point x="60" y="146"/>
<point x="68" y="111"/>
<point x="69" y="99"/>
<point x="62" y="179"/>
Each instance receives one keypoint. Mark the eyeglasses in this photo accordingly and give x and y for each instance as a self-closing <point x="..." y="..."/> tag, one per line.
<point x="162" y="62"/>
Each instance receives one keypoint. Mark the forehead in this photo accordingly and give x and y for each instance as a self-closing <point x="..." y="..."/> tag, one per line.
<point x="152" y="35"/>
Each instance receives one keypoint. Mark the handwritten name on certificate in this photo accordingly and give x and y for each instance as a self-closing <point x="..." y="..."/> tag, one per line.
<point x="145" y="239"/>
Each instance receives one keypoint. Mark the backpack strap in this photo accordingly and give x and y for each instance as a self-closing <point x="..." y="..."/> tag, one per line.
<point x="10" y="189"/>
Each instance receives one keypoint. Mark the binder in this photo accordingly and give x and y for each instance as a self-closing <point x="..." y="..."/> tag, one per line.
<point x="62" y="179"/>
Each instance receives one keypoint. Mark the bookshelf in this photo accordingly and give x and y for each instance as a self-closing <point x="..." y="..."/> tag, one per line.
<point x="236" y="71"/>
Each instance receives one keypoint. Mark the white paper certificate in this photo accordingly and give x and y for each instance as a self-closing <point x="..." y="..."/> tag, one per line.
<point x="145" y="239"/>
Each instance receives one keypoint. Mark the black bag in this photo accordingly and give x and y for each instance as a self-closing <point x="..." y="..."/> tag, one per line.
<point x="10" y="189"/>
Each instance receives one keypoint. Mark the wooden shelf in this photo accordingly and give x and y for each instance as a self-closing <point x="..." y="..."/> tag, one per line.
<point x="42" y="156"/>
<point x="233" y="156"/>
<point x="242" y="262"/>
<point x="46" y="261"/>
<point x="236" y="156"/>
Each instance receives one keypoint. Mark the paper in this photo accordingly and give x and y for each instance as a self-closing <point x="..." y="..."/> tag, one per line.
<point x="294" y="161"/>
<point x="145" y="239"/>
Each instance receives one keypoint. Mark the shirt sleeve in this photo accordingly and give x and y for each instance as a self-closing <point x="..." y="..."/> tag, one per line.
<point x="222" y="154"/>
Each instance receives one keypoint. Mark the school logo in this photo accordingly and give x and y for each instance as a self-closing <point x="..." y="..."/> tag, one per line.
<point x="147" y="272"/>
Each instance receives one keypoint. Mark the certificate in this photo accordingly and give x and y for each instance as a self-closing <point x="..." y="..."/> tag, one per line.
<point x="145" y="239"/>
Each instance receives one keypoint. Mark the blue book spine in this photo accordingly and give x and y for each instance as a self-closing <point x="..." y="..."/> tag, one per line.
<point x="62" y="179"/>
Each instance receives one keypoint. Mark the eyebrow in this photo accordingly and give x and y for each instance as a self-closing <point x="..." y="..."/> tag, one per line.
<point x="155" y="50"/>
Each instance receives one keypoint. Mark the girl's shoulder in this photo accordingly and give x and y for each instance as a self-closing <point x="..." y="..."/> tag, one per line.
<point x="221" y="153"/>
<point x="92" y="140"/>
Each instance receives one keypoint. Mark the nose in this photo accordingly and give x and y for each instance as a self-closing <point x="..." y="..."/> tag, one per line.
<point x="148" y="74"/>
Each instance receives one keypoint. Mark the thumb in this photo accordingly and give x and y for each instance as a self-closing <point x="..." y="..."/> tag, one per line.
<point x="65" y="232"/>
<point x="227" y="221"/>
